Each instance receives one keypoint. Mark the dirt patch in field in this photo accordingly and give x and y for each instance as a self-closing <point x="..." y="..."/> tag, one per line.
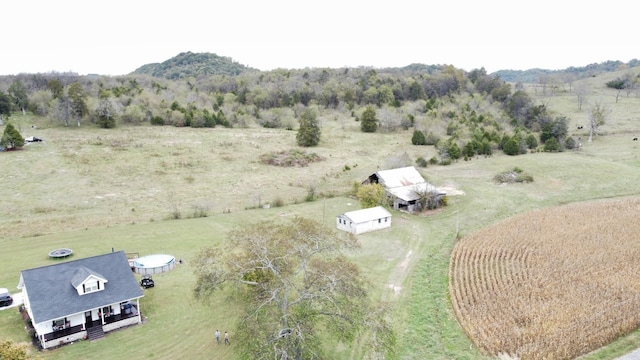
<point x="451" y="189"/>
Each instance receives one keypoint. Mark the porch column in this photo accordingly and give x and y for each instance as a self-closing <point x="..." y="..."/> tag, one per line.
<point x="139" y="311"/>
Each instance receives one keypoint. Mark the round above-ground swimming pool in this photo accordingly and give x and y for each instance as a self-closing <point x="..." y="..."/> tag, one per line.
<point x="154" y="264"/>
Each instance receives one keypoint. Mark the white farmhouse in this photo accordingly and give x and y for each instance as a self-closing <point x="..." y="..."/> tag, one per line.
<point x="365" y="220"/>
<point x="80" y="299"/>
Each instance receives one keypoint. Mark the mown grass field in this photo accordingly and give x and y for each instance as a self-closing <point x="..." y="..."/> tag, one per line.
<point x="93" y="190"/>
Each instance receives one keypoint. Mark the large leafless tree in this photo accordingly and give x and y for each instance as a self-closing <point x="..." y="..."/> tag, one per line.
<point x="597" y="117"/>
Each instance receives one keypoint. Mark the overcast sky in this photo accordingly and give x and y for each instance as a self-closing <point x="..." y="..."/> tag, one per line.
<point x="117" y="37"/>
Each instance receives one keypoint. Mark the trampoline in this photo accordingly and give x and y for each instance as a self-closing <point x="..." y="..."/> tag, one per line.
<point x="60" y="253"/>
<point x="154" y="264"/>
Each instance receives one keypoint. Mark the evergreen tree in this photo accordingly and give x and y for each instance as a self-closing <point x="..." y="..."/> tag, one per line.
<point x="5" y="106"/>
<point x="418" y="138"/>
<point x="56" y="87"/>
<point x="552" y="145"/>
<point x="18" y="93"/>
<point x="454" y="150"/>
<point x="511" y="146"/>
<point x="532" y="143"/>
<point x="309" y="131"/>
<point x="369" y="122"/>
<point x="221" y="119"/>
<point x="78" y="101"/>
<point x="11" y="138"/>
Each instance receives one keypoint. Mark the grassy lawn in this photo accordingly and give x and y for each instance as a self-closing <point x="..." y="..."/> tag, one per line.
<point x="92" y="190"/>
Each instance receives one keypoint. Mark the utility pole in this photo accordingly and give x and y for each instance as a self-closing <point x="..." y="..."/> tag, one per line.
<point x="457" y="229"/>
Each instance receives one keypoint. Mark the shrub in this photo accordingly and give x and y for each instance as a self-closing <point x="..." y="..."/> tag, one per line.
<point x="370" y="195"/>
<point x="451" y="128"/>
<point x="200" y="211"/>
<point x="516" y="175"/>
<point x="570" y="143"/>
<point x="511" y="146"/>
<point x="421" y="162"/>
<point x="431" y="139"/>
<point x="532" y="142"/>
<point x="418" y="138"/>
<point x="157" y="120"/>
<point x="290" y="158"/>
<point x="11" y="137"/>
<point x="551" y="145"/>
<point x="354" y="188"/>
<point x="311" y="194"/>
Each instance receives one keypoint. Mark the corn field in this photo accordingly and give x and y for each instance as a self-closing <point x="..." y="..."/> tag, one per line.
<point x="550" y="284"/>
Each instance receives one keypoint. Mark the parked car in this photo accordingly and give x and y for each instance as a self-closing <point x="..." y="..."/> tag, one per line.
<point x="5" y="297"/>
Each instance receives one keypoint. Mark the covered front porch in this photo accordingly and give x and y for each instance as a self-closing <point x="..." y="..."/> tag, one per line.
<point x="91" y="324"/>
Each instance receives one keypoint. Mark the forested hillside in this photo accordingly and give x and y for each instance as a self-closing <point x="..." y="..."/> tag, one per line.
<point x="465" y="114"/>
<point x="569" y="74"/>
<point x="189" y="64"/>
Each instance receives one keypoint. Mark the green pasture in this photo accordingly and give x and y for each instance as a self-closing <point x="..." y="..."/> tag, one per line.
<point x="95" y="190"/>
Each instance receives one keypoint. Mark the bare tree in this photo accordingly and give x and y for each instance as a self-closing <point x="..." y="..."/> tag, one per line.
<point x="428" y="199"/>
<point x="581" y="90"/>
<point x="569" y="79"/>
<point x="630" y="82"/>
<point x="597" y="117"/>
<point x="172" y="201"/>
<point x="61" y="110"/>
<point x="40" y="100"/>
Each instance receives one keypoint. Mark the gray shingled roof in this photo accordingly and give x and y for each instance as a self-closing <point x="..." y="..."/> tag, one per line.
<point x="52" y="295"/>
<point x="82" y="273"/>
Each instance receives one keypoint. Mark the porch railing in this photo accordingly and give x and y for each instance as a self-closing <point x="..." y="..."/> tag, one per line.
<point x="63" y="332"/>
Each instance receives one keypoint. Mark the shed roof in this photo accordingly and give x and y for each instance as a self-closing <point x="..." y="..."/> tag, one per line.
<point x="52" y="295"/>
<point x="411" y="192"/>
<point x="364" y="215"/>
<point x="400" y="177"/>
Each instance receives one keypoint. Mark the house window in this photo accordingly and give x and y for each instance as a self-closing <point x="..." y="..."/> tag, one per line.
<point x="58" y="324"/>
<point x="91" y="286"/>
<point x="379" y="221"/>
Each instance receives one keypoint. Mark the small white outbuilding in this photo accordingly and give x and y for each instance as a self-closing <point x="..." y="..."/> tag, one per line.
<point x="365" y="220"/>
